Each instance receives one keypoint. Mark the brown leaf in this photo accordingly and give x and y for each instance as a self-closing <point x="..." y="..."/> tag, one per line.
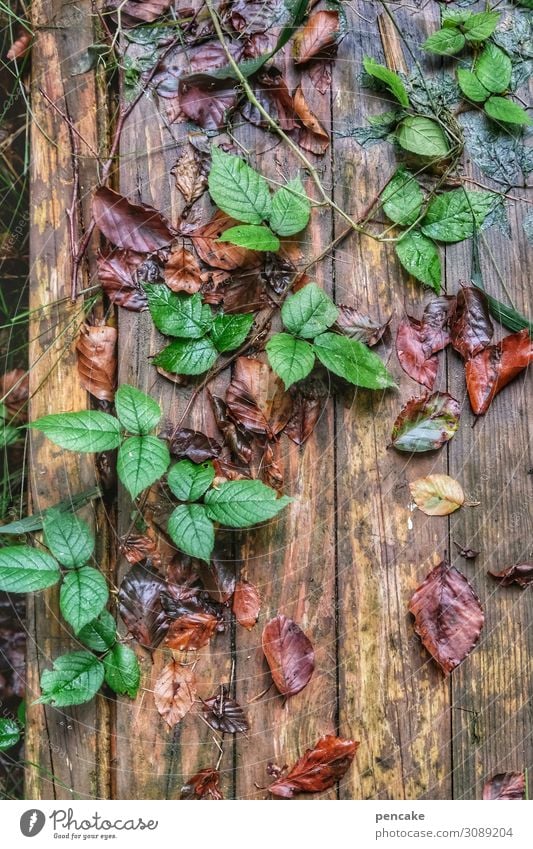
<point x="174" y="692"/>
<point x="191" y="631"/>
<point x="182" y="272"/>
<point x="418" y="340"/>
<point x="138" y="547"/>
<point x="506" y="786"/>
<point x="426" y="423"/>
<point x="318" y="769"/>
<point x="289" y="654"/>
<point x="493" y="368"/>
<point x="256" y="398"/>
<point x="312" y="135"/>
<point x="15" y="390"/>
<point x="97" y="360"/>
<point x="470" y="326"/>
<point x="117" y="274"/>
<point x="272" y="93"/>
<point x="319" y="73"/>
<point x="448" y="616"/>
<point x="207" y="103"/>
<point x="140" y="605"/>
<point x="246" y="604"/>
<point x="20" y="46"/>
<point x="467" y="553"/>
<point x="133" y="11"/>
<point x="189" y="175"/>
<point x="187" y="444"/>
<point x="203" y="785"/>
<point x="134" y="227"/>
<point x="319" y="34"/>
<point x="437" y="495"/>
<point x="224" y="714"/>
<point x="308" y="402"/>
<point x="221" y="254"/>
<point x="218" y="578"/>
<point x="520" y="573"/>
<point x="235" y="437"/>
<point x="358" y="325"/>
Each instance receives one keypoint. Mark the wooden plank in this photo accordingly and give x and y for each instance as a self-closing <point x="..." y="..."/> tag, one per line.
<point x="391" y="698"/>
<point x="68" y="750"/>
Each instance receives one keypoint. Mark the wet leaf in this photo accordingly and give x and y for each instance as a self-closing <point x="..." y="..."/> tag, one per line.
<point x="471" y="329"/>
<point x="117" y="274"/>
<point x="271" y="91"/>
<point x="418" y="340"/>
<point x="218" y="254"/>
<point x="174" y="692"/>
<point x="246" y="604"/>
<point x="134" y="227"/>
<point x="426" y="423"/>
<point x="319" y="34"/>
<point x="312" y="135"/>
<point x="437" y="495"/>
<point x="191" y="631"/>
<point x="289" y="654"/>
<point x="140" y="606"/>
<point x="182" y="272"/>
<point x="187" y="444"/>
<point x="256" y="399"/>
<point x="224" y="714"/>
<point x="520" y="573"/>
<point x="505" y="786"/>
<point x="207" y="103"/>
<point x="318" y="769"/>
<point x="308" y="400"/>
<point x="203" y="785"/>
<point x="448" y="616"/>
<point x="494" y="367"/>
<point x="138" y="547"/>
<point x="97" y="361"/>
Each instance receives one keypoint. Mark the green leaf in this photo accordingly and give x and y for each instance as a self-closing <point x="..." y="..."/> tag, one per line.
<point x="8" y="434"/>
<point x="353" y="361"/>
<point x="178" y="314"/>
<point x="69" y="539"/>
<point x="309" y="312"/>
<point x="188" y="481"/>
<point x="242" y="503"/>
<point x="35" y="521"/>
<point x="237" y="189"/>
<point x="192" y="531"/>
<point x="426" y="423"/>
<point x="141" y="461"/>
<point x="493" y="69"/>
<point x="480" y="26"/>
<point x="446" y="41"/>
<point x="184" y="356"/>
<point x="230" y="331"/>
<point x="453" y="216"/>
<point x="24" y="569"/>
<point x="470" y="86"/>
<point x="422" y="136"/>
<point x="100" y="634"/>
<point x="75" y="679"/>
<point x="253" y="236"/>
<point x="88" y="430"/>
<point x="292" y="359"/>
<point x="388" y="77"/>
<point x="136" y="411"/>
<point x="121" y="671"/>
<point x="402" y="198"/>
<point x="83" y="596"/>
<point x="9" y="733"/>
<point x="501" y="109"/>
<point x="291" y="209"/>
<point x="420" y="257"/>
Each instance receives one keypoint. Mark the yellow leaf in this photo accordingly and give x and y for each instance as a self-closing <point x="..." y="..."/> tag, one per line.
<point x="437" y="495"/>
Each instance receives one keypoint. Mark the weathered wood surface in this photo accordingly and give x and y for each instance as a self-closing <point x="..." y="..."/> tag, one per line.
<point x="346" y="557"/>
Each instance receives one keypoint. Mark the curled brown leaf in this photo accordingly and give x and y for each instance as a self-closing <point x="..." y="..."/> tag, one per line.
<point x="519" y="573"/>
<point x="117" y="274"/>
<point x="203" y="785"/>
<point x="97" y="360"/>
<point x="471" y="329"/>
<point x="320" y="33"/>
<point x="312" y="136"/>
<point x="318" y="769"/>
<point x="224" y="714"/>
<point x="505" y="786"/>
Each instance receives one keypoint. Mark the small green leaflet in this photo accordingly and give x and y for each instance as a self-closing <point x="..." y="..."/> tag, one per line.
<point x="453" y="216"/>
<point x="420" y="257"/>
<point x="121" y="671"/>
<point x="353" y="361"/>
<point x="188" y="481"/>
<point x="187" y="356"/>
<point x="446" y="41"/>
<point x="389" y="78"/>
<point x="256" y="237"/>
<point x="75" y="679"/>
<point x="422" y="136"/>
<point x="309" y="312"/>
<point x="69" y="539"/>
<point x="242" y="503"/>
<point x="292" y="359"/>
<point x="192" y="531"/>
<point x="83" y="596"/>
<point x="237" y="189"/>
<point x="9" y="733"/>
<point x="230" y="331"/>
<point x="100" y="634"/>
<point x="402" y="198"/>
<point x="479" y="27"/>
<point x="470" y="86"/>
<point x="24" y="569"/>
<point x="502" y="109"/>
<point x="87" y="431"/>
<point x="493" y="69"/>
<point x="141" y="461"/>
<point x="136" y="411"/>
<point x="290" y="209"/>
<point x="178" y="314"/>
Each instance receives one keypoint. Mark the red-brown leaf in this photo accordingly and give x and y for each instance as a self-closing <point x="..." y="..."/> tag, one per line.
<point x="97" y="360"/>
<point x="417" y="341"/>
<point x="318" y="769"/>
<point x="15" y="389"/>
<point x="138" y="547"/>
<point x="187" y="444"/>
<point x="506" y="786"/>
<point x="189" y="174"/>
<point x="203" y="785"/>
<point x="182" y="272"/>
<point x="493" y="368"/>
<point x="320" y="33"/>
<point x="133" y="11"/>
<point x="174" y="692"/>
<point x="289" y="654"/>
<point x="221" y="254"/>
<point x="448" y="616"/>
<point x="246" y="604"/>
<point x="134" y="227"/>
<point x="20" y="46"/>
<point x="224" y="714"/>
<point x="520" y="573"/>
<point x="191" y="631"/>
<point x="140" y="606"/>
<point x="358" y="325"/>
<point x="312" y="135"/>
<point x="256" y="398"/>
<point x="272" y="93"/>
<point x="207" y="103"/>
<point x="470" y="326"/>
<point x="117" y="274"/>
